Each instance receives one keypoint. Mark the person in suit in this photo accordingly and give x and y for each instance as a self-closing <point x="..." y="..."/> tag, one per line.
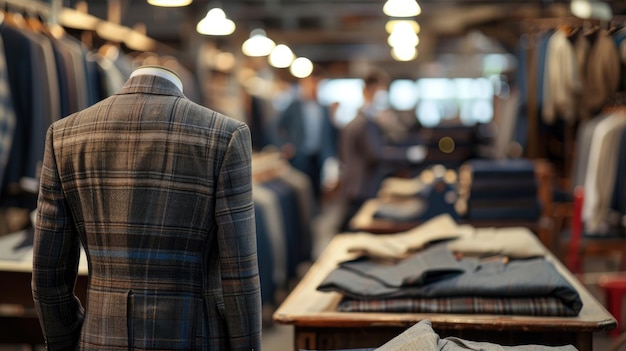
<point x="306" y="132"/>
<point x="158" y="191"/>
<point x="367" y="156"/>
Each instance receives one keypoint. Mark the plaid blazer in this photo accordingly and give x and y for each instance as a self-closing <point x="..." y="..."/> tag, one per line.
<point x="158" y="191"/>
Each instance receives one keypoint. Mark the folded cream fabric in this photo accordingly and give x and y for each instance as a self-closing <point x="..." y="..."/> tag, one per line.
<point x="399" y="245"/>
<point x="513" y="242"/>
<point x="400" y="187"/>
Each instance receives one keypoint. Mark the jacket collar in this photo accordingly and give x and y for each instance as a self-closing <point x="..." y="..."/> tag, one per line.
<point x="150" y="84"/>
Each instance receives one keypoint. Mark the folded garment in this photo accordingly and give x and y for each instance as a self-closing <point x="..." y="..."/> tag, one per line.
<point x="433" y="200"/>
<point x="527" y="202"/>
<point x="432" y="264"/>
<point x="494" y="278"/>
<point x="496" y="189"/>
<point x="401" y="210"/>
<point x="521" y="306"/>
<point x="422" y="337"/>
<point x="400" y="187"/>
<point x="489" y="168"/>
<point x="503" y="213"/>
<point x="399" y="245"/>
<point x="511" y="242"/>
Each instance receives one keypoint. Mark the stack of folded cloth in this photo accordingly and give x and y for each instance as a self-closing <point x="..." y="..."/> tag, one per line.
<point x="498" y="189"/>
<point x="509" y="276"/>
<point x="417" y="199"/>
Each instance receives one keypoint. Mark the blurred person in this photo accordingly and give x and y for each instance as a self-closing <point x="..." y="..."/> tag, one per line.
<point x="158" y="191"/>
<point x="368" y="155"/>
<point x="306" y="132"/>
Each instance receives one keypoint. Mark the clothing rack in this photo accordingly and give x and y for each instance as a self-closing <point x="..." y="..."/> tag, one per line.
<point x="55" y="13"/>
<point x="50" y="12"/>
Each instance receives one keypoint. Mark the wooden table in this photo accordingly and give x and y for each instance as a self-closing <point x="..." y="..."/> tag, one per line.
<point x="318" y="325"/>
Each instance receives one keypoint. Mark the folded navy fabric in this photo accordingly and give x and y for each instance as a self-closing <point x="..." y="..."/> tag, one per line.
<point x="487" y="168"/>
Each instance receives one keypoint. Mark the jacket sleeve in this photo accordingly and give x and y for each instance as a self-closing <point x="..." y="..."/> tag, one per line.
<point x="55" y="260"/>
<point x="234" y="214"/>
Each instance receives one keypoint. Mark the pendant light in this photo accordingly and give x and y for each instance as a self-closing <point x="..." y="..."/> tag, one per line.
<point x="281" y="56"/>
<point x="258" y="44"/>
<point x="403" y="35"/>
<point x="215" y="23"/>
<point x="169" y="3"/>
<point x="402" y="8"/>
<point x="301" y="67"/>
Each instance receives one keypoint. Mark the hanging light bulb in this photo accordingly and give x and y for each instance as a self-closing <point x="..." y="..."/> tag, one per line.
<point x="215" y="23"/>
<point x="403" y="35"/>
<point x="402" y="8"/>
<point x="169" y="3"/>
<point x="281" y="56"/>
<point x="391" y="24"/>
<point x="404" y="53"/>
<point x="301" y="67"/>
<point x="258" y="44"/>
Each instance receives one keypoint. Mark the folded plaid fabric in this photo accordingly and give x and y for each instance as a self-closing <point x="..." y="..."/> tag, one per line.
<point x="537" y="306"/>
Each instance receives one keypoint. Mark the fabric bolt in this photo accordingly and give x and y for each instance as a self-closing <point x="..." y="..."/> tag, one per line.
<point x="522" y="306"/>
<point x="562" y="84"/>
<point x="158" y="191"/>
<point x="7" y="114"/>
<point x="421" y="336"/>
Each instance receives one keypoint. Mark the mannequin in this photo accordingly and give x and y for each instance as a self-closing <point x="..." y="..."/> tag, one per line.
<point x="160" y="71"/>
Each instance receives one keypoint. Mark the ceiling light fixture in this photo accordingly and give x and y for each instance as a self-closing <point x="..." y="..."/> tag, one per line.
<point x="281" y="56"/>
<point x="258" y="44"/>
<point x="301" y="67"/>
<point x="403" y="35"/>
<point x="591" y="9"/>
<point x="169" y="3"/>
<point x="402" y="8"/>
<point x="404" y="53"/>
<point x="391" y="24"/>
<point x="215" y="23"/>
